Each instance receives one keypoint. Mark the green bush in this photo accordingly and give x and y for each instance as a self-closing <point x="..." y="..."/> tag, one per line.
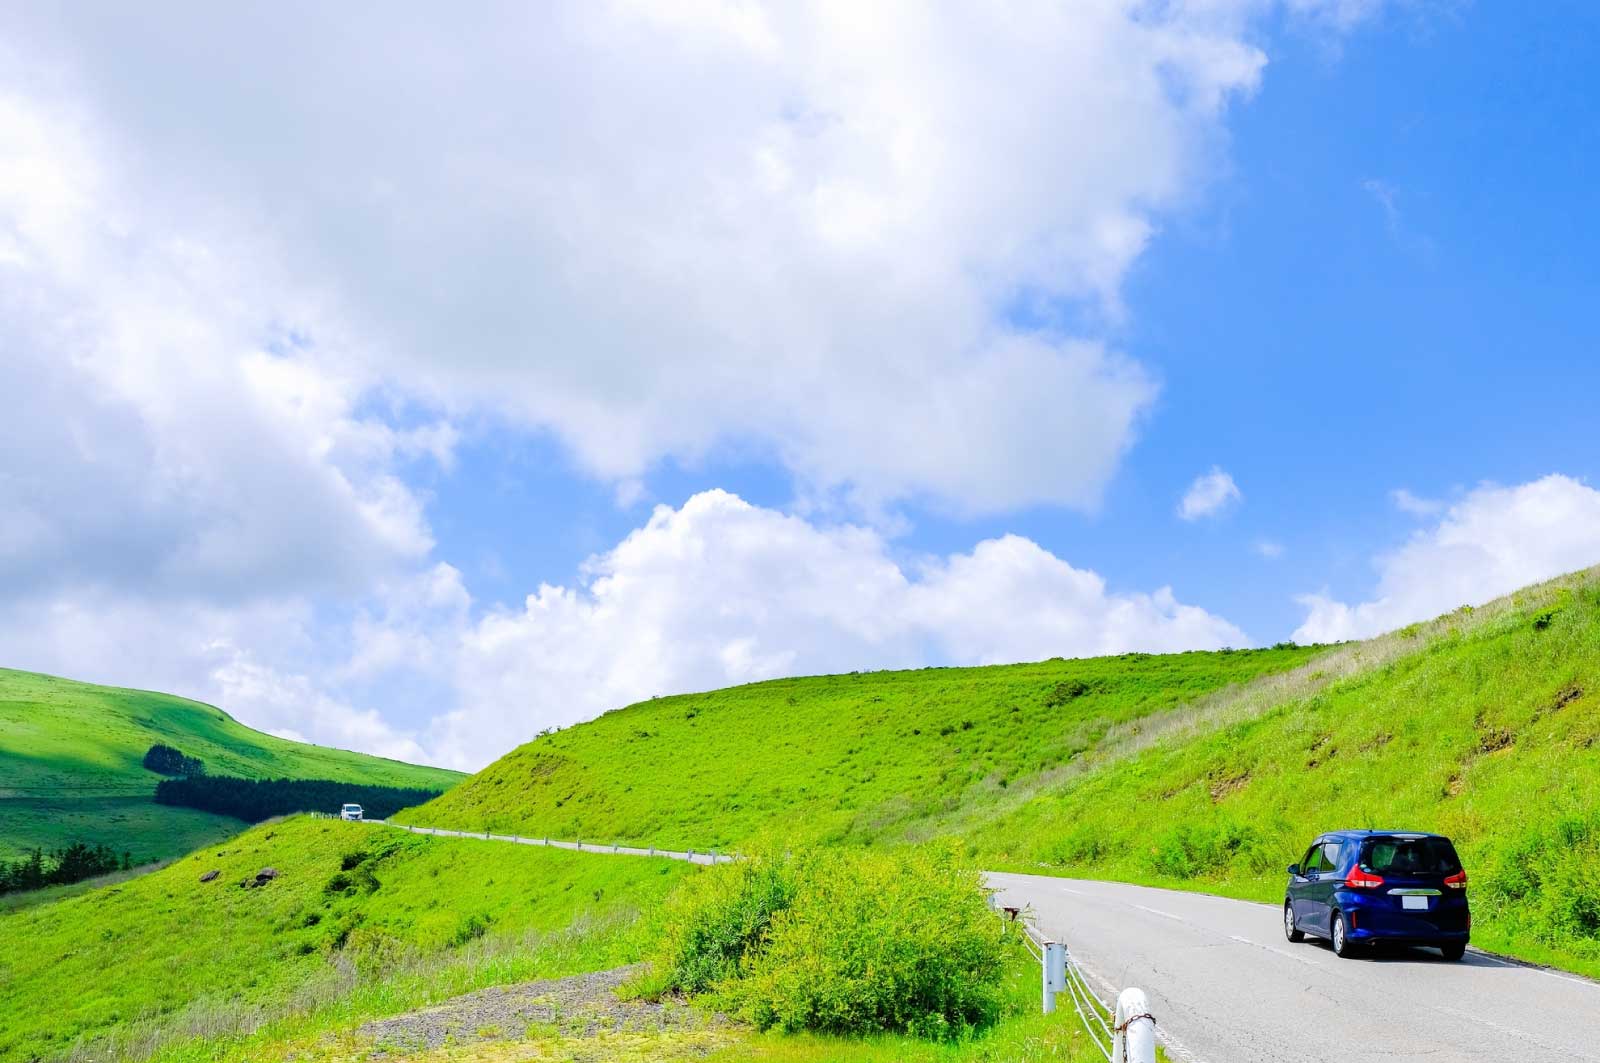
<point x="715" y="920"/>
<point x="841" y="942"/>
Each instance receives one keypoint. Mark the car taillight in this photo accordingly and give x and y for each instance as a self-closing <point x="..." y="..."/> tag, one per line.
<point x="1362" y="880"/>
<point x="1457" y="881"/>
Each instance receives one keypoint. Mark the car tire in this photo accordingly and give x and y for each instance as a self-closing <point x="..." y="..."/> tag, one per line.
<point x="1343" y="947"/>
<point x="1290" y="931"/>
<point x="1453" y="952"/>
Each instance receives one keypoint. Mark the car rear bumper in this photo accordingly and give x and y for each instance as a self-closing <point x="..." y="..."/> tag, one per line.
<point x="1438" y="937"/>
<point x="1377" y="919"/>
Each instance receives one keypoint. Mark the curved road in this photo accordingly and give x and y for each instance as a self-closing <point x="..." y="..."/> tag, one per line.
<point x="1225" y="987"/>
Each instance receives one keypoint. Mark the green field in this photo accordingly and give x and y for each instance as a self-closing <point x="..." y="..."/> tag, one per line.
<point x="830" y="759"/>
<point x="362" y="920"/>
<point x="70" y="766"/>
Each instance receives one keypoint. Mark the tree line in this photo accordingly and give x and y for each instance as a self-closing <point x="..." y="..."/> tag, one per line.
<point x="60" y="867"/>
<point x="254" y="800"/>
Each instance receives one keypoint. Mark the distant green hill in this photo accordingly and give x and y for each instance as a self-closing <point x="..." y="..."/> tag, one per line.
<point x="71" y="765"/>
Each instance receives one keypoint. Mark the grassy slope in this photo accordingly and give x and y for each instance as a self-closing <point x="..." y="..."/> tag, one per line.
<point x="833" y="758"/>
<point x="70" y="765"/>
<point x="165" y="961"/>
<point x="1483" y="724"/>
<point x="1487" y="729"/>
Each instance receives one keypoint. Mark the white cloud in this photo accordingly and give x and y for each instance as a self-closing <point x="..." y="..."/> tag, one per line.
<point x="720" y="592"/>
<point x="660" y="232"/>
<point x="1209" y="495"/>
<point x="1493" y="541"/>
<point x="151" y="442"/>
<point x="251" y="271"/>
<point x="1386" y="196"/>
<point x="1417" y="506"/>
<point x="1269" y="549"/>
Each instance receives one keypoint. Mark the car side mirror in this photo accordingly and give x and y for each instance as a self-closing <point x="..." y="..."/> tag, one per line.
<point x="1294" y="869"/>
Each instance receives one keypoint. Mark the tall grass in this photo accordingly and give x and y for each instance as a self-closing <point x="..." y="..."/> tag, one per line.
<point x="1483" y="725"/>
<point x="360" y="918"/>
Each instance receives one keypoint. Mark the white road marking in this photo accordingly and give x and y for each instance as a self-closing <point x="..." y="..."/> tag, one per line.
<point x="1164" y="915"/>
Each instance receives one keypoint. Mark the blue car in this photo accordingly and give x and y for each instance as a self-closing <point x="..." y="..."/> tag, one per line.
<point x="1360" y="887"/>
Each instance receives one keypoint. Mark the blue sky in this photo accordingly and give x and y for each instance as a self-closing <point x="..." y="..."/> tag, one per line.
<point x="920" y="358"/>
<point x="1391" y="285"/>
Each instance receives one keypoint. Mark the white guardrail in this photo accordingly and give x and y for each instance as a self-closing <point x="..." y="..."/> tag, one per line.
<point x="693" y="856"/>
<point x="1129" y="1036"/>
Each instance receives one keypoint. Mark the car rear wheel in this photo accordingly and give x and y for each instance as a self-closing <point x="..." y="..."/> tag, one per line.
<point x="1290" y="931"/>
<point x="1453" y="952"/>
<point x="1342" y="945"/>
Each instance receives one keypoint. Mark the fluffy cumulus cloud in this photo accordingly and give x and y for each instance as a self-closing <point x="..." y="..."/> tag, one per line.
<point x="659" y="230"/>
<point x="258" y="266"/>
<point x="720" y="591"/>
<point x="1491" y="542"/>
<point x="1209" y="495"/>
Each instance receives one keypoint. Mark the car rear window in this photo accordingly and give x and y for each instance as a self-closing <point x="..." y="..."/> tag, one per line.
<point x="1410" y="856"/>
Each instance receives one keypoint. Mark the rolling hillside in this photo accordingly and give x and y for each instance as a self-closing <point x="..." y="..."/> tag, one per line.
<point x="1206" y="771"/>
<point x="829" y="758"/>
<point x="71" y="765"/>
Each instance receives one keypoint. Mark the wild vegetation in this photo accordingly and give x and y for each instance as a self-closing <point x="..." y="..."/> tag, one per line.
<point x="839" y="941"/>
<point x="1204" y="771"/>
<point x="1483" y="725"/>
<point x="254" y="800"/>
<point x="72" y="766"/>
<point x="359" y="920"/>
<point x="843" y="758"/>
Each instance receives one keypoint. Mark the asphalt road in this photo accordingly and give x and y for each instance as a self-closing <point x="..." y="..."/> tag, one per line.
<point x="1225" y="987"/>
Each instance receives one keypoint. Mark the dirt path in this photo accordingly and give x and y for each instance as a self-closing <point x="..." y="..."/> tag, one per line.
<point x="584" y="1005"/>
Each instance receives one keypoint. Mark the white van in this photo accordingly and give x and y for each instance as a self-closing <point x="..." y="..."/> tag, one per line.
<point x="350" y="812"/>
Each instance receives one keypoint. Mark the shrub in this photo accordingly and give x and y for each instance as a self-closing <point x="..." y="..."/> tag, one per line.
<point x="841" y="942"/>
<point x="715" y="920"/>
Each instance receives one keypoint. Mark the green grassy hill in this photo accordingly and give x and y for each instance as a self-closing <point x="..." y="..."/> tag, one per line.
<point x="830" y="758"/>
<point x="1207" y="771"/>
<point x="1483" y="725"/>
<point x="70" y="766"/>
<point x="361" y="920"/>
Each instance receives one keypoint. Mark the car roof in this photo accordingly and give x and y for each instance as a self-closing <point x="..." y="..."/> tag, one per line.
<point x="1369" y="833"/>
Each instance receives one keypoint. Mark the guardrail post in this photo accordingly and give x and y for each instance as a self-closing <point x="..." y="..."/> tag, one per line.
<point x="1133" y="1038"/>
<point x="1054" y="971"/>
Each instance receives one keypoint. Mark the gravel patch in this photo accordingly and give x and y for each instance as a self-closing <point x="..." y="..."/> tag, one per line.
<point x="584" y="1005"/>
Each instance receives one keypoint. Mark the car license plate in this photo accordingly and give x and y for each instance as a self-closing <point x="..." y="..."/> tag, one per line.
<point x="1418" y="903"/>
